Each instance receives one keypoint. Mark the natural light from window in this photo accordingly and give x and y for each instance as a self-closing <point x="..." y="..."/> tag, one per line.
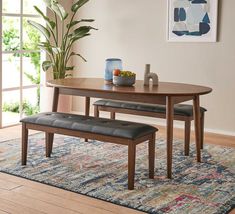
<point x="20" y="60"/>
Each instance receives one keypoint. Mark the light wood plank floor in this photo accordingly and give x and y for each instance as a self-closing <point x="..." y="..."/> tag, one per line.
<point x="23" y="196"/>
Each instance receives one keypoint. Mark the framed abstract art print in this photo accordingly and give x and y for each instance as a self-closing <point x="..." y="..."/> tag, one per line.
<point x="192" y="20"/>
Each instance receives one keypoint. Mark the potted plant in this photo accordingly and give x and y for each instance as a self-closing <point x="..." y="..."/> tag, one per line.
<point x="60" y="33"/>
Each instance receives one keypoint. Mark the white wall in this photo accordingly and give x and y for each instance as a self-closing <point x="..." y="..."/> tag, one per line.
<point x="135" y="31"/>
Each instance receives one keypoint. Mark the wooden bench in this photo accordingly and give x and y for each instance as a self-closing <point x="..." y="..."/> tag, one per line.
<point x="114" y="131"/>
<point x="182" y="112"/>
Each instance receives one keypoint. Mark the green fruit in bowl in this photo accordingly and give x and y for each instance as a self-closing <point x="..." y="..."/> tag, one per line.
<point x="126" y="74"/>
<point x="125" y="78"/>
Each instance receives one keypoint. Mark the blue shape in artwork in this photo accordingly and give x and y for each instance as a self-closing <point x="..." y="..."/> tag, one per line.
<point x="199" y="2"/>
<point x="176" y="15"/>
<point x="206" y="19"/>
<point x="182" y="14"/>
<point x="204" y="28"/>
<point x="180" y="33"/>
<point x="195" y="33"/>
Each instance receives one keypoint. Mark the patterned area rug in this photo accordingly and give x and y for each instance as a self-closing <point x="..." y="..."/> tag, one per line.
<point x="99" y="170"/>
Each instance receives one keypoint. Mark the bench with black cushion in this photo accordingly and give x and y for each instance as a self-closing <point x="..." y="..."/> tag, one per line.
<point x="182" y="112"/>
<point x="114" y="131"/>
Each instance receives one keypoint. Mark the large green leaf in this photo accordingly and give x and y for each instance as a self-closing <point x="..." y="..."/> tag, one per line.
<point x="40" y="28"/>
<point x="75" y="54"/>
<point x="81" y="31"/>
<point x="77" y="5"/>
<point x="59" y="10"/>
<point x="75" y="38"/>
<point x="79" y="21"/>
<point x="84" y="29"/>
<point x="46" y="47"/>
<point x="78" y="32"/>
<point x="46" y="65"/>
<point x="49" y="22"/>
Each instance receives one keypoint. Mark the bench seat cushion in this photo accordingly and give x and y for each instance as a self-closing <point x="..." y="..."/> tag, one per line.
<point x="115" y="128"/>
<point x="179" y="109"/>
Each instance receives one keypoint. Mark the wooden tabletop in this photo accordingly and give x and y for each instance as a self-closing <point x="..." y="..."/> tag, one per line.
<point x="164" y="88"/>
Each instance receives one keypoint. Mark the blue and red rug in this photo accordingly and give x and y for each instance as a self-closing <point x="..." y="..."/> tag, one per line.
<point x="99" y="170"/>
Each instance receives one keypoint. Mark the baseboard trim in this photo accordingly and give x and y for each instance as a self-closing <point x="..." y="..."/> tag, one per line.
<point x="221" y="132"/>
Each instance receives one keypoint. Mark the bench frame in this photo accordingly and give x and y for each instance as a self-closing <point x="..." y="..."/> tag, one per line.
<point x="49" y="136"/>
<point x="187" y="121"/>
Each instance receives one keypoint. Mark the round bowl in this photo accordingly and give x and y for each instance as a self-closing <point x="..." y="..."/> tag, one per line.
<point x="123" y="81"/>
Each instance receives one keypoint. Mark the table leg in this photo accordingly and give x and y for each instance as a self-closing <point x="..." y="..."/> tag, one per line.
<point x="54" y="109"/>
<point x="87" y="106"/>
<point x="87" y="109"/>
<point x="196" y="112"/>
<point x="55" y="100"/>
<point x="169" y="133"/>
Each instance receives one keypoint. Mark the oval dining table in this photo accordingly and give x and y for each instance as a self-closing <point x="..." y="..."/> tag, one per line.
<point x="166" y="93"/>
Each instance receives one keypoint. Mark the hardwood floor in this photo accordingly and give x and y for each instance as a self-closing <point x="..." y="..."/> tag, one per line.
<point x="23" y="196"/>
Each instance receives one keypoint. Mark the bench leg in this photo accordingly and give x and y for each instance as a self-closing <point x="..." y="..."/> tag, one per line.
<point x="49" y="143"/>
<point x="24" y="144"/>
<point x="187" y="129"/>
<point x="112" y="115"/>
<point x="169" y="133"/>
<point x="202" y="129"/>
<point x="197" y="124"/>
<point x="131" y="165"/>
<point x="96" y="111"/>
<point x="151" y="156"/>
<point x="87" y="110"/>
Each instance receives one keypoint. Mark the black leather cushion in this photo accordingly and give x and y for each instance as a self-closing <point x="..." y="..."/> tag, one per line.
<point x="116" y="128"/>
<point x="179" y="109"/>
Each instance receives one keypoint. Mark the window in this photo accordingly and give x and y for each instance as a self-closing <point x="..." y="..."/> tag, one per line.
<point x="19" y="60"/>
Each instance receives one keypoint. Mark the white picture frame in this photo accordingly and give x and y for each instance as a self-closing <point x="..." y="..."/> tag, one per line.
<point x="192" y="20"/>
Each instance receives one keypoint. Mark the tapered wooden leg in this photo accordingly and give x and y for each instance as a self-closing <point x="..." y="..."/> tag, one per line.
<point x="51" y="139"/>
<point x="49" y="143"/>
<point x="202" y="128"/>
<point x="169" y="133"/>
<point x="196" y="111"/>
<point x="96" y="111"/>
<point x="131" y="165"/>
<point x="24" y="144"/>
<point x="152" y="156"/>
<point x="55" y="100"/>
<point x="112" y="115"/>
<point x="187" y="130"/>
<point x="87" y="110"/>
<point x="54" y="109"/>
